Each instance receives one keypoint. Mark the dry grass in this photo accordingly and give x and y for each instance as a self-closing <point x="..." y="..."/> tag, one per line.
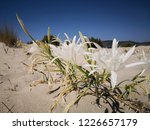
<point x="8" y="36"/>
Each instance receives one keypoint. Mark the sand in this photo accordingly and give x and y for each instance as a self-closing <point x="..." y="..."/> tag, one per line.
<point x="15" y="92"/>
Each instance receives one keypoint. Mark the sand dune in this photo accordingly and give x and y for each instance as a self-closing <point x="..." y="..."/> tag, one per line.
<point x="15" y="92"/>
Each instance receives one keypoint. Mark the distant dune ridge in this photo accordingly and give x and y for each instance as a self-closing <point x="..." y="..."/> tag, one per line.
<point x="16" y="94"/>
<point x="108" y="43"/>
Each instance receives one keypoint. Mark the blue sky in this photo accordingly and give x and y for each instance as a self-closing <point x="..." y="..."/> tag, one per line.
<point x="104" y="19"/>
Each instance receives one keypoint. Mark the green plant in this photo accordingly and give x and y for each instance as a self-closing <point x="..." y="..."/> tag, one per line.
<point x="8" y="36"/>
<point x="127" y="44"/>
<point x="88" y="71"/>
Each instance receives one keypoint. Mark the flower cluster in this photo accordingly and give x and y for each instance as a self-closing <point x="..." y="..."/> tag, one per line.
<point x="112" y="60"/>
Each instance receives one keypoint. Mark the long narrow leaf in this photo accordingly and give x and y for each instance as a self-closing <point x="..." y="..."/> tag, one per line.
<point x="48" y="35"/>
<point x="24" y="28"/>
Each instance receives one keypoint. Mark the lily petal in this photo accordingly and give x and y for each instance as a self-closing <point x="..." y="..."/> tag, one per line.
<point x="134" y="64"/>
<point x="74" y="40"/>
<point x="114" y="47"/>
<point x="97" y="46"/>
<point x="113" y="79"/>
<point x="128" y="54"/>
<point x="144" y="57"/>
<point x="66" y="36"/>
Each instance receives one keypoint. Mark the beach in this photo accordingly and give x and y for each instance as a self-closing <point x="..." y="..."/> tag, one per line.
<point x="17" y="95"/>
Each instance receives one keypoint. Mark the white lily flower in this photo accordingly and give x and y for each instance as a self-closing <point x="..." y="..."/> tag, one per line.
<point x="146" y="60"/>
<point x="113" y="78"/>
<point x="72" y="52"/>
<point x="34" y="49"/>
<point x="112" y="61"/>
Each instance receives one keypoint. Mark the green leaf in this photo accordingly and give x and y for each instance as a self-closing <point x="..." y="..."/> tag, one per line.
<point x="136" y="76"/>
<point x="48" y="35"/>
<point x="24" y="28"/>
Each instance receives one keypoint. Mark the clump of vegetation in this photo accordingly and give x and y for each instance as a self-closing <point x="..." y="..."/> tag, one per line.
<point x="127" y="44"/>
<point x="97" y="41"/>
<point x="88" y="71"/>
<point x="53" y="40"/>
<point x="8" y="36"/>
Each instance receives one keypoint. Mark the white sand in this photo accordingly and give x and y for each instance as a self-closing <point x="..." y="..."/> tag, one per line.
<point x="15" y="85"/>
